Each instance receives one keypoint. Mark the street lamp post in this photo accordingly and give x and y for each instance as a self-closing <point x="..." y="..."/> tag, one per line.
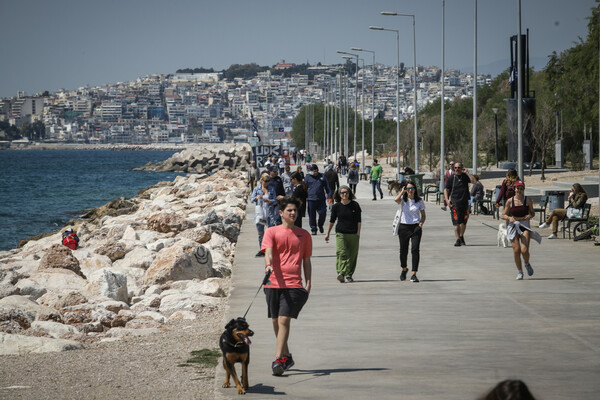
<point x="372" y="105"/>
<point x="355" y="92"/>
<point x="379" y="28"/>
<point x="495" y="110"/>
<point x="414" y="77"/>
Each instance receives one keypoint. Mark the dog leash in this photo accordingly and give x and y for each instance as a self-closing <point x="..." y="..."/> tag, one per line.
<point x="489" y="226"/>
<point x="264" y="282"/>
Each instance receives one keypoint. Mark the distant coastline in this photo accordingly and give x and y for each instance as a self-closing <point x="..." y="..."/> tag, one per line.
<point x="107" y="146"/>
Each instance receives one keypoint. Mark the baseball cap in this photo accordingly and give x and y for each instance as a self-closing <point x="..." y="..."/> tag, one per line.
<point x="314" y="167"/>
<point x="519" y="183"/>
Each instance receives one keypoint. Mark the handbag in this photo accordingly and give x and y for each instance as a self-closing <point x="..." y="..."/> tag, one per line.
<point x="260" y="215"/>
<point x="396" y="223"/>
<point x="574" y="212"/>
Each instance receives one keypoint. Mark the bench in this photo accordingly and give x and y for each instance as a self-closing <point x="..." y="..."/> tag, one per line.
<point x="585" y="215"/>
<point x="542" y="208"/>
<point x="362" y="176"/>
<point x="486" y="200"/>
<point x="430" y="189"/>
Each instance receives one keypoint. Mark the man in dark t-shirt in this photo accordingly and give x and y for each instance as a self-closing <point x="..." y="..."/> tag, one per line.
<point x="456" y="194"/>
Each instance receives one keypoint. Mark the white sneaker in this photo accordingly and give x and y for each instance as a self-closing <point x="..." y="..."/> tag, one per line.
<point x="553" y="236"/>
<point x="520" y="276"/>
<point x="542" y="226"/>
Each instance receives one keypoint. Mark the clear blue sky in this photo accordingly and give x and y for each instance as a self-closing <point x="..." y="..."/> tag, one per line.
<point x="52" y="44"/>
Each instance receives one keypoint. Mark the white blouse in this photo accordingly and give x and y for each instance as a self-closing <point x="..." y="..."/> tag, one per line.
<point x="411" y="211"/>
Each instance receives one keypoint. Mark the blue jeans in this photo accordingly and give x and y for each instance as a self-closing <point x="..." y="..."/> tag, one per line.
<point x="377" y="184"/>
<point x="316" y="207"/>
<point x="260" y="228"/>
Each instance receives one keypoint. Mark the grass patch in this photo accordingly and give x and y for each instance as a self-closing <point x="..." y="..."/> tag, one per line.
<point x="205" y="358"/>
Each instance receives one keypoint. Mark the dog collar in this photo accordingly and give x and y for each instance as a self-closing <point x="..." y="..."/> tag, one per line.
<point x="237" y="344"/>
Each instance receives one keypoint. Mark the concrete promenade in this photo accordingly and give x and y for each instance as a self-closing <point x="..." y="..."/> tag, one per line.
<point x="466" y="326"/>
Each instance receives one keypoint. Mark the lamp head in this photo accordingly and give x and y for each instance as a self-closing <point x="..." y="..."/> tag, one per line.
<point x="389" y="13"/>
<point x="376" y="28"/>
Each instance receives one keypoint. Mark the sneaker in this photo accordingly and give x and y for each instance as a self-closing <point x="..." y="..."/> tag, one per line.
<point x="314" y="232"/>
<point x="321" y="229"/>
<point x="444" y="208"/>
<point x="403" y="274"/>
<point x="260" y="254"/>
<point x="381" y="196"/>
<point x="374" y="198"/>
<point x="542" y="226"/>
<point x="462" y="240"/>
<point x="414" y="278"/>
<point x="458" y="243"/>
<point x="553" y="236"/>
<point x="349" y="279"/>
<point x="340" y="278"/>
<point x="277" y="367"/>
<point x="288" y="362"/>
<point x="529" y="269"/>
<point x="520" y="276"/>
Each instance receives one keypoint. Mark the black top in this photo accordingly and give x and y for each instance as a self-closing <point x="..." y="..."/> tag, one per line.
<point x="332" y="179"/>
<point x="348" y="217"/>
<point x="458" y="185"/>
<point x="301" y="194"/>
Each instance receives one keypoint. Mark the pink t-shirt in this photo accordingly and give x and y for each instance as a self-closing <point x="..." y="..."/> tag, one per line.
<point x="290" y="247"/>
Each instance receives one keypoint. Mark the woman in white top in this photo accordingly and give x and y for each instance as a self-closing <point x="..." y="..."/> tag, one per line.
<point x="411" y="222"/>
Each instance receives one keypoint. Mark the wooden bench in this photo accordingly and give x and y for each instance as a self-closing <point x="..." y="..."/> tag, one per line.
<point x="585" y="215"/>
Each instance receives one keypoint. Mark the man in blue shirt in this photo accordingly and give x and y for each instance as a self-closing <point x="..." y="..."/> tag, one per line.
<point x="276" y="192"/>
<point x="318" y="191"/>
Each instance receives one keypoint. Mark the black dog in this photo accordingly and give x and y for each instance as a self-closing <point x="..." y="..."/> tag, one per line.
<point x="235" y="345"/>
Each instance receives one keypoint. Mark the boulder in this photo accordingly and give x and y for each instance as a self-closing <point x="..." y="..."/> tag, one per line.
<point x="200" y="235"/>
<point x="59" y="256"/>
<point x="113" y="250"/>
<point x="92" y="262"/>
<point x="169" y="222"/>
<point x="129" y="235"/>
<point x="183" y="315"/>
<point x="210" y="218"/>
<point x="114" y="306"/>
<point x="15" y="321"/>
<point x="22" y="303"/>
<point x="107" y="283"/>
<point x="7" y="289"/>
<point x="59" y="281"/>
<point x="139" y="257"/>
<point x="185" y="301"/>
<point x="178" y="263"/>
<point x="122" y="318"/>
<point x="19" y="344"/>
<point x="29" y="288"/>
<point x="214" y="287"/>
<point x="54" y="329"/>
<point x="71" y="299"/>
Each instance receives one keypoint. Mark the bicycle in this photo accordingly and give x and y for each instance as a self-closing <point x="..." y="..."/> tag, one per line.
<point x="585" y="230"/>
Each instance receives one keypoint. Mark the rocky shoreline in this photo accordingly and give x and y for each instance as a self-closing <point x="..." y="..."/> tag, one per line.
<point x="143" y="264"/>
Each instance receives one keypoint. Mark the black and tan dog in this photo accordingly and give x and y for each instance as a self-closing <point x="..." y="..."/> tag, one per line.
<point x="235" y="345"/>
<point x="394" y="186"/>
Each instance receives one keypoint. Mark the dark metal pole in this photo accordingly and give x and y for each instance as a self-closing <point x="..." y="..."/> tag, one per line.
<point x="496" y="122"/>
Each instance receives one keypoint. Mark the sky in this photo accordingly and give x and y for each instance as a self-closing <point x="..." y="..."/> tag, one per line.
<point x="48" y="45"/>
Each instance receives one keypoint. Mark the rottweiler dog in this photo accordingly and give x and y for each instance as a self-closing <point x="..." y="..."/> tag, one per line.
<point x="235" y="345"/>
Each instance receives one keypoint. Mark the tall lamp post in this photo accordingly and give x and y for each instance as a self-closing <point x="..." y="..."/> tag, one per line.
<point x="414" y="77"/>
<point x="379" y="28"/>
<point x="355" y="92"/>
<point x="372" y="105"/>
<point x="495" y="110"/>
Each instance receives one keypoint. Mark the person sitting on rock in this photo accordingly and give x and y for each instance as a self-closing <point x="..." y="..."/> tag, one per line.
<point x="70" y="239"/>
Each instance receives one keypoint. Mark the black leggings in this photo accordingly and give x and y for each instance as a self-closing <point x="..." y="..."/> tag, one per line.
<point x="407" y="233"/>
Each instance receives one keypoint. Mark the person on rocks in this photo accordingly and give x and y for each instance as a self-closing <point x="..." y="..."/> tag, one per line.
<point x="347" y="212"/>
<point x="253" y="175"/>
<point x="456" y="194"/>
<point x="376" y="175"/>
<point x="260" y="197"/>
<point x="276" y="192"/>
<point x="288" y="249"/>
<point x="318" y="191"/>
<point x="518" y="211"/>
<point x="301" y="194"/>
<point x="70" y="239"/>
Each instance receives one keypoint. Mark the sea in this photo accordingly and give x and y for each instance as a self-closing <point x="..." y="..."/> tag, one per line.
<point x="40" y="190"/>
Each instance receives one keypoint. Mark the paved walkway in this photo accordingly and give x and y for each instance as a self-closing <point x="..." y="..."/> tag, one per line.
<point x="466" y="326"/>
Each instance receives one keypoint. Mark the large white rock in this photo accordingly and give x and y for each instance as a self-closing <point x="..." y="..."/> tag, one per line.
<point x="29" y="288"/>
<point x="129" y="234"/>
<point x="108" y="283"/>
<point x="54" y="329"/>
<point x="214" y="287"/>
<point x="180" y="263"/>
<point x="59" y="280"/>
<point x="19" y="344"/>
<point x="185" y="301"/>
<point x="93" y="262"/>
<point x="22" y="303"/>
<point x="139" y="257"/>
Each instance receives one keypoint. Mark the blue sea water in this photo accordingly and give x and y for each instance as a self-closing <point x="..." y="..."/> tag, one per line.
<point x="40" y="190"/>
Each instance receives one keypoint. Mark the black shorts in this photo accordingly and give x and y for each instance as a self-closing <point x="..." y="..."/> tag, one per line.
<point x="285" y="302"/>
<point x="459" y="215"/>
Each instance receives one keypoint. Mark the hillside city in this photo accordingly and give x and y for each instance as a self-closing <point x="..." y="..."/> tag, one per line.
<point x="205" y="107"/>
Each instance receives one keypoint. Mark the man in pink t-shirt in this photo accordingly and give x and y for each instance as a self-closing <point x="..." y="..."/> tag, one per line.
<point x="287" y="253"/>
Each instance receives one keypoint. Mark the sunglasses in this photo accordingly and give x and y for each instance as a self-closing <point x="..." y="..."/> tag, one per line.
<point x="343" y="192"/>
<point x="410" y="188"/>
<point x="457" y="167"/>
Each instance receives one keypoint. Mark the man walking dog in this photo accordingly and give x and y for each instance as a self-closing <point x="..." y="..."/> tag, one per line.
<point x="288" y="249"/>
